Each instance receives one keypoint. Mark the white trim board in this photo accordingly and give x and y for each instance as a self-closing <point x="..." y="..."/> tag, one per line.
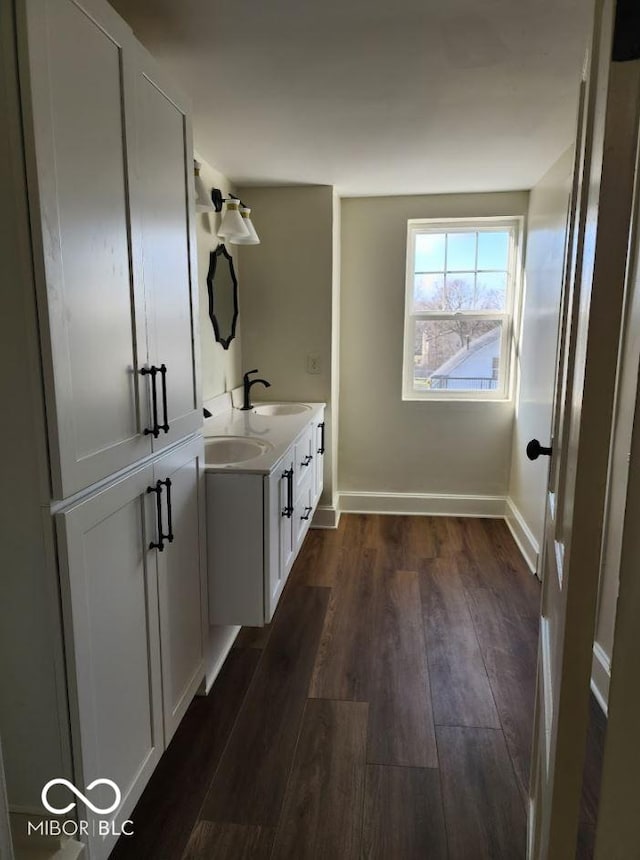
<point x="428" y="504"/>
<point x="601" y="676"/>
<point x="522" y="534"/>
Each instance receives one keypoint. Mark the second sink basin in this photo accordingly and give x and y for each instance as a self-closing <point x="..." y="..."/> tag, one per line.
<point x="281" y="409"/>
<point x="228" y="450"/>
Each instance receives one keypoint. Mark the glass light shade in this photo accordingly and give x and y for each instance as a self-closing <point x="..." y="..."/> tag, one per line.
<point x="232" y="226"/>
<point x="252" y="237"/>
<point x="203" y="200"/>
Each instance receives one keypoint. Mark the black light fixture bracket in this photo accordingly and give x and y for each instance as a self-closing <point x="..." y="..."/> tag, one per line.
<point x="218" y="199"/>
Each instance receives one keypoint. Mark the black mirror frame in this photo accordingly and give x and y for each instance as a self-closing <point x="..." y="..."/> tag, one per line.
<point x="213" y="262"/>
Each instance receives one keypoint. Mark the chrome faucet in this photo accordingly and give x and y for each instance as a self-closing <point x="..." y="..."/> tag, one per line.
<point x="247" y="384"/>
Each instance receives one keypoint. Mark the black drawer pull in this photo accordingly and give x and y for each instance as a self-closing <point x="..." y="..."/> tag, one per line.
<point x="307" y="460"/>
<point x="162" y="537"/>
<point x="287" y="511"/>
<point x="169" y="535"/>
<point x="165" y="408"/>
<point x="321" y="448"/>
<point x="152" y="372"/>
<point x="307" y="513"/>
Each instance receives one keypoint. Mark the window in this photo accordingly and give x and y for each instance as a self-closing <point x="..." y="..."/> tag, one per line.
<point x="460" y="295"/>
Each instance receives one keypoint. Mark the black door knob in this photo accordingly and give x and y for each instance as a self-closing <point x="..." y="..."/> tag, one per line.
<point x="534" y="449"/>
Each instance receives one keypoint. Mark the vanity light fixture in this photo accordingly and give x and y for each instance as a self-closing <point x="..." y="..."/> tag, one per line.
<point x="236" y="225"/>
<point x="252" y="237"/>
<point x="203" y="201"/>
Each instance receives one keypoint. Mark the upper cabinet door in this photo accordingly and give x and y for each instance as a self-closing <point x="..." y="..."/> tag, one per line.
<point x="169" y="261"/>
<point x="79" y="132"/>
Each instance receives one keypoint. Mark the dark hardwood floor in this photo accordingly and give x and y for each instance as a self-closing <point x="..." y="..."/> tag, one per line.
<point x="384" y="713"/>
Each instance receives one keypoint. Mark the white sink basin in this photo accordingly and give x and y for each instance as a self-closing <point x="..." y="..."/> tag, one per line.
<point x="228" y="450"/>
<point x="281" y="409"/>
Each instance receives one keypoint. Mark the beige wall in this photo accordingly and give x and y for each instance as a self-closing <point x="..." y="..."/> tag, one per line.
<point x="286" y="297"/>
<point x="221" y="369"/>
<point x="388" y="445"/>
<point x="546" y="232"/>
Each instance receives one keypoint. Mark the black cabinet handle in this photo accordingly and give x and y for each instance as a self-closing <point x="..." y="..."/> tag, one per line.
<point x="169" y="535"/>
<point x="535" y="449"/>
<point x="162" y="537"/>
<point x="152" y="372"/>
<point x="307" y="460"/>
<point x="158" y="491"/>
<point x="307" y="513"/>
<point x="321" y="448"/>
<point x="165" y="408"/>
<point x="287" y="511"/>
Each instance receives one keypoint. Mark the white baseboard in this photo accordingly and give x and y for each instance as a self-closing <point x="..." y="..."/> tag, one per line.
<point x="600" y="676"/>
<point x="522" y="535"/>
<point x="326" y="517"/>
<point x="221" y="641"/>
<point x="431" y="504"/>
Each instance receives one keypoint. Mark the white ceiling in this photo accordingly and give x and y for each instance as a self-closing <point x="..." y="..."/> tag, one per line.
<point x="374" y="96"/>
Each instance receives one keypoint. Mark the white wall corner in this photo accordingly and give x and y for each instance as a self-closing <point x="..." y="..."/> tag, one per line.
<point x="430" y="504"/>
<point x="600" y="676"/>
<point x="326" y="517"/>
<point x="522" y="535"/>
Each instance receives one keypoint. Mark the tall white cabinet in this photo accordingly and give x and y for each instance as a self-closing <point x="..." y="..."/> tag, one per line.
<point x="102" y="285"/>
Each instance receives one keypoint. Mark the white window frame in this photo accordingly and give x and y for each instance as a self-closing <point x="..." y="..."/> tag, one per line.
<point x="503" y="390"/>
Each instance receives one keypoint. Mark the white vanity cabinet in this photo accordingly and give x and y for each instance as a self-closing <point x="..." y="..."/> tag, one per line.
<point x="256" y="524"/>
<point x="109" y="164"/>
<point x="134" y="625"/>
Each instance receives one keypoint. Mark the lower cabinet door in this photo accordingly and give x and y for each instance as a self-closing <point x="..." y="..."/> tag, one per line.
<point x="278" y="533"/>
<point x="303" y="512"/>
<point x="179" y="477"/>
<point x="110" y="603"/>
<point x="286" y="529"/>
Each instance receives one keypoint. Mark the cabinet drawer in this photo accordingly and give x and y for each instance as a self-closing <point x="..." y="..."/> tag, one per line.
<point x="303" y="509"/>
<point x="305" y="456"/>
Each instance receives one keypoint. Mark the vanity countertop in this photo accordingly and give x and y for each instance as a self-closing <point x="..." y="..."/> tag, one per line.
<point x="277" y="431"/>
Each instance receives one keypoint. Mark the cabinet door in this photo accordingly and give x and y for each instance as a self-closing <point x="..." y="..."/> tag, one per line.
<point x="318" y="448"/>
<point x="286" y="528"/>
<point x="303" y="512"/>
<point x="165" y="192"/>
<point x="79" y="129"/>
<point x="110" y="601"/>
<point x="278" y="533"/>
<point x="181" y="579"/>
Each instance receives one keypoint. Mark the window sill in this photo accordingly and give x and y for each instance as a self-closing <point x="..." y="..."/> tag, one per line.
<point x="434" y="398"/>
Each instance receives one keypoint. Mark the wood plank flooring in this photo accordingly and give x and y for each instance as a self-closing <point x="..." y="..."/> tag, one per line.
<point x="384" y="713"/>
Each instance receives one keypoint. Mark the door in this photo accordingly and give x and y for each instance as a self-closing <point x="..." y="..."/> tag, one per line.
<point x="279" y="510"/>
<point x="110" y="601"/>
<point x="76" y="66"/>
<point x="593" y="297"/>
<point x="181" y="578"/>
<point x="169" y="264"/>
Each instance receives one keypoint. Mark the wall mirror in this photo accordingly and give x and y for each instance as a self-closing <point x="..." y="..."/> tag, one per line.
<point x="223" y="295"/>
